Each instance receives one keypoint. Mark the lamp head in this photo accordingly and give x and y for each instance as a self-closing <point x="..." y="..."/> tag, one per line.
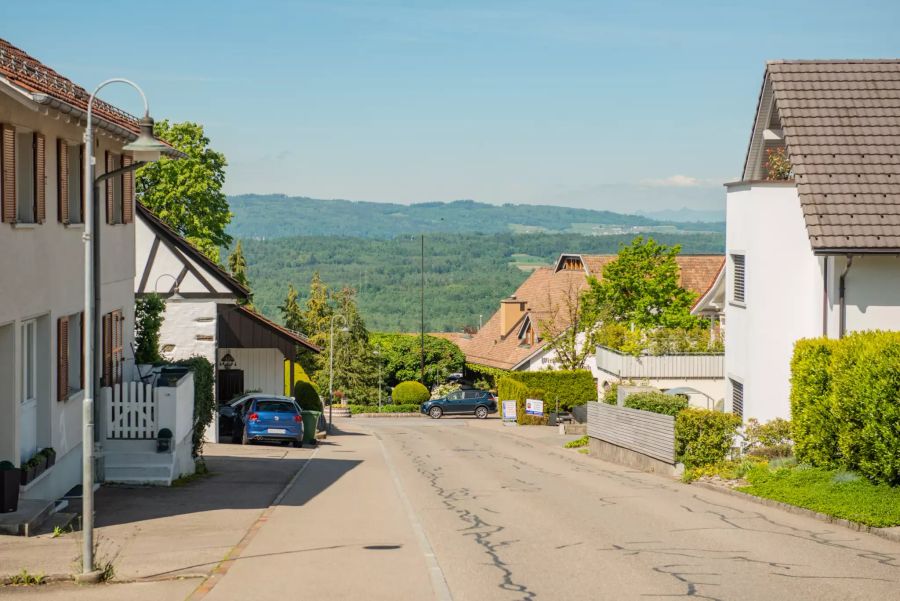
<point x="145" y="148"/>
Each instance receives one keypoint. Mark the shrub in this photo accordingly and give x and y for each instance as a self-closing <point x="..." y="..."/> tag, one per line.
<point x="148" y="319"/>
<point x="813" y="426"/>
<point x="410" y="392"/>
<point x="611" y="396"/>
<point x="656" y="402"/>
<point x="575" y="387"/>
<point x="443" y="390"/>
<point x="509" y="389"/>
<point x="204" y="398"/>
<point x="306" y="396"/>
<point x="704" y="437"/>
<point x="770" y="440"/>
<point x="357" y="409"/>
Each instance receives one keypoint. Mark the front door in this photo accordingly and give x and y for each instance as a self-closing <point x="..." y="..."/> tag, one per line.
<point x="230" y="384"/>
<point x="28" y="397"/>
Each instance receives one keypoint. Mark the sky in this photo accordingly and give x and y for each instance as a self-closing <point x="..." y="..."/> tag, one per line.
<point x="625" y="106"/>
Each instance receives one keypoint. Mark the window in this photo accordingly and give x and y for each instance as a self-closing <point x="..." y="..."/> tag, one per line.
<point x="29" y="361"/>
<point x="113" y="355"/>
<point x="113" y="189"/>
<point x="25" y="212"/>
<point x="738" y="272"/>
<point x="737" y="398"/>
<point x="69" y="182"/>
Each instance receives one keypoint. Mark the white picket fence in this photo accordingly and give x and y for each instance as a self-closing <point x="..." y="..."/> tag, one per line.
<point x="131" y="411"/>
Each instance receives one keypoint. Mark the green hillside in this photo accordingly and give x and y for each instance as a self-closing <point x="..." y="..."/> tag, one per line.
<point x="276" y="215"/>
<point x="465" y="274"/>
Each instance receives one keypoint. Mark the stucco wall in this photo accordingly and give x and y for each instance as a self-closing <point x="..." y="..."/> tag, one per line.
<point x="189" y="327"/>
<point x="263" y="368"/>
<point x="42" y="266"/>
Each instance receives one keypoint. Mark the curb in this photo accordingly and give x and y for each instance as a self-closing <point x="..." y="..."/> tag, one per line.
<point x="891" y="534"/>
<point x="389" y="415"/>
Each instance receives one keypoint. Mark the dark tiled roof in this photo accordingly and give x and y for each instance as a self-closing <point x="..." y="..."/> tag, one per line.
<point x="841" y="123"/>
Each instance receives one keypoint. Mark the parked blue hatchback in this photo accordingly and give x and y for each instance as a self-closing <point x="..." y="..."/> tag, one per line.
<point x="472" y="402"/>
<point x="272" y="419"/>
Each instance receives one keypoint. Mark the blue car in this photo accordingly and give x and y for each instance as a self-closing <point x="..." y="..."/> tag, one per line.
<point x="272" y="420"/>
<point x="462" y="402"/>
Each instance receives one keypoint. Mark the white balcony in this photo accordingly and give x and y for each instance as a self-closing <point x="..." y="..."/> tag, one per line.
<point x="675" y="366"/>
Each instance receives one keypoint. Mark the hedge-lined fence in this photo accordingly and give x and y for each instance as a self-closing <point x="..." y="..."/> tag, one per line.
<point x="845" y="404"/>
<point x="571" y="387"/>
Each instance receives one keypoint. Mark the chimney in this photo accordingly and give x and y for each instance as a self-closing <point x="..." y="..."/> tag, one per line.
<point x="511" y="311"/>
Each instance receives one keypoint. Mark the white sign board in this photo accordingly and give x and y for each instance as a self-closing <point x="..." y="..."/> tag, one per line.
<point x="509" y="410"/>
<point x="534" y="407"/>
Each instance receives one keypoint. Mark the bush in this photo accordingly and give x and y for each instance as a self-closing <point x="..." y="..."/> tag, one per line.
<point x="656" y="402"/>
<point x="704" y="437"/>
<point x="148" y="319"/>
<point x="410" y="392"/>
<point x="204" y="398"/>
<point x="575" y="387"/>
<point x="357" y="409"/>
<point x="813" y="426"/>
<point x="306" y="396"/>
<point x="443" y="390"/>
<point x="770" y="440"/>
<point x="509" y="389"/>
<point x="611" y="396"/>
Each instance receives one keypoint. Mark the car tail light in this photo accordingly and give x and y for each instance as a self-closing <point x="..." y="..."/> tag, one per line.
<point x="253" y="417"/>
<point x="298" y="419"/>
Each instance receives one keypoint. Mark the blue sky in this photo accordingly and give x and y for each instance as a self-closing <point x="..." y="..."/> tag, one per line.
<point x="623" y="106"/>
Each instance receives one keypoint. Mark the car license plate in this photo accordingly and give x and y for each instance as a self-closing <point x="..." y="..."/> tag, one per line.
<point x="277" y="431"/>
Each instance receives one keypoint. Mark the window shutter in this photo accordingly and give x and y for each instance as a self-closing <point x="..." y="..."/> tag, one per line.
<point x="81" y="179"/>
<point x="107" y="349"/>
<point x="109" y="189"/>
<point x="118" y="350"/>
<point x="62" y="358"/>
<point x="81" y="354"/>
<point x="8" y="160"/>
<point x="40" y="178"/>
<point x="739" y="281"/>
<point x="127" y="191"/>
<point x="62" y="181"/>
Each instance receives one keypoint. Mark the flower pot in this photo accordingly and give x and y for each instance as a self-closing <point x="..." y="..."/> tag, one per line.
<point x="9" y="489"/>
<point x="51" y="460"/>
<point x="27" y="475"/>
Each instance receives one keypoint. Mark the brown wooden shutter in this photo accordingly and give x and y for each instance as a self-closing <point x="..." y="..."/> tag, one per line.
<point x="127" y="191"/>
<point x="62" y="358"/>
<point x="107" y="349"/>
<point x="118" y="346"/>
<point x="8" y="160"/>
<point x="109" y="189"/>
<point x="81" y="176"/>
<point x="62" y="181"/>
<point x="81" y="354"/>
<point x="40" y="178"/>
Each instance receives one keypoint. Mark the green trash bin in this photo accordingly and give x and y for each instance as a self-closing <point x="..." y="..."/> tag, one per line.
<point x="310" y="421"/>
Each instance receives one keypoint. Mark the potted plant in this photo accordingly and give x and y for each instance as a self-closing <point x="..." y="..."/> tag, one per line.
<point x="50" y="454"/>
<point x="40" y="463"/>
<point x="28" y="472"/>
<point x="10" y="476"/>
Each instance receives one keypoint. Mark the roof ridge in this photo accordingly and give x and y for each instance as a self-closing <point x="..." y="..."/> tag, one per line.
<point x="831" y="61"/>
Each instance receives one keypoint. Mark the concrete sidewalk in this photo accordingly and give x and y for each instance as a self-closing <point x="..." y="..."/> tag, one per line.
<point x="150" y="533"/>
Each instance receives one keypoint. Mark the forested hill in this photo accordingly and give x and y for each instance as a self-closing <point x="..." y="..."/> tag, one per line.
<point x="466" y="275"/>
<point x="277" y="215"/>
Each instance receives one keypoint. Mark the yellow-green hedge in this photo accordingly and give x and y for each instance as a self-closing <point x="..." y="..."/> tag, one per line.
<point x="509" y="389"/>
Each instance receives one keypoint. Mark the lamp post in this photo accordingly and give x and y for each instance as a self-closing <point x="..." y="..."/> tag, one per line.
<point x="331" y="366"/>
<point x="144" y="149"/>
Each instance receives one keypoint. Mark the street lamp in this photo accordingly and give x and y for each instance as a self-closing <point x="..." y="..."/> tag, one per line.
<point x="331" y="366"/>
<point x="144" y="149"/>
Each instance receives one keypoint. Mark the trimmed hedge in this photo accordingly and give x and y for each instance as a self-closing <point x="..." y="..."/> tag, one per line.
<point x="410" y="392"/>
<point x="357" y="409"/>
<point x="704" y="437"/>
<point x="813" y="426"/>
<point x="306" y="396"/>
<point x="656" y="402"/>
<point x="575" y="387"/>
<point x="509" y="389"/>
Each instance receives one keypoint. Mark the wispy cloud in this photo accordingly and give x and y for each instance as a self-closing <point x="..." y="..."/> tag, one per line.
<point x="677" y="181"/>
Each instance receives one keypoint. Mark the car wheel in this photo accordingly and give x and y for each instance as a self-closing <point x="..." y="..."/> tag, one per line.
<point x="481" y="412"/>
<point x="435" y="412"/>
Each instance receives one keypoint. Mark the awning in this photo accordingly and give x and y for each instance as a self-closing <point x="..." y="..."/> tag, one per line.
<point x="239" y="327"/>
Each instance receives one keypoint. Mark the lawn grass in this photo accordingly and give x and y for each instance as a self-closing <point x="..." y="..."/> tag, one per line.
<point x="833" y="492"/>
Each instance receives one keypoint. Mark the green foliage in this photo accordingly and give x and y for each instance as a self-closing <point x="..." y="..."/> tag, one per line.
<point x="828" y="491"/>
<point x="733" y="469"/>
<point x="703" y="437"/>
<point x="466" y="274"/>
<point x="777" y="165"/>
<point x="611" y="396"/>
<point x="577" y="443"/>
<point x="813" y="426"/>
<point x="641" y="287"/>
<point x="291" y="313"/>
<point x="6" y="465"/>
<point x="406" y="408"/>
<point x="406" y="393"/>
<point x="509" y="389"/>
<point x="187" y="193"/>
<point x="442" y="390"/>
<point x="656" y="402"/>
<point x="306" y="396"/>
<point x="566" y="327"/>
<point x="486" y="378"/>
<point x="771" y="439"/>
<point x="204" y="398"/>
<point x="571" y="388"/>
<point x="355" y="367"/>
<point x="237" y="265"/>
<point x="148" y="319"/>
<point x="845" y="400"/>
<point x="659" y="341"/>
<point x="401" y="357"/>
<point x="276" y="215"/>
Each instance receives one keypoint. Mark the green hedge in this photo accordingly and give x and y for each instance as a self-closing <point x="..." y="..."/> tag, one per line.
<point x="306" y="396"/>
<point x="656" y="402"/>
<point x="813" y="426"/>
<point x="357" y="409"/>
<point x="410" y="392"/>
<point x="572" y="388"/>
<point x="509" y="389"/>
<point x="204" y="398"/>
<point x="704" y="437"/>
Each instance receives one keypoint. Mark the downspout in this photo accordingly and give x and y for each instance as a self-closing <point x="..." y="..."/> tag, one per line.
<point x="826" y="260"/>
<point x="842" y="297"/>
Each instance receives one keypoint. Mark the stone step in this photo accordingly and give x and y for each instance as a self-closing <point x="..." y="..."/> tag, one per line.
<point x="27" y="519"/>
<point x="140" y="473"/>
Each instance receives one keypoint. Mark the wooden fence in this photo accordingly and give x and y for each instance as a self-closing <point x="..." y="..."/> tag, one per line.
<point x="131" y="411"/>
<point x="650" y="434"/>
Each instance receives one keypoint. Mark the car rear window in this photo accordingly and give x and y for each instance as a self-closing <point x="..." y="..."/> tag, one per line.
<point x="275" y="406"/>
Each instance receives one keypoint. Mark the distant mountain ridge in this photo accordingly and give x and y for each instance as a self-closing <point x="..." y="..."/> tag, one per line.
<point x="277" y="215"/>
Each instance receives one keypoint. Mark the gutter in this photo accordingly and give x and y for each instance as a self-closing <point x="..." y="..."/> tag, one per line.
<point x="842" y="297"/>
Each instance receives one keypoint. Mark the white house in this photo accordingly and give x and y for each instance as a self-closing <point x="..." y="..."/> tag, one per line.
<point x="204" y="316"/>
<point x="815" y="254"/>
<point x="42" y="117"/>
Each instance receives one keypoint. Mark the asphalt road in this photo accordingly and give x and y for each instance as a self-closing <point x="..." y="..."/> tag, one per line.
<point x="511" y="516"/>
